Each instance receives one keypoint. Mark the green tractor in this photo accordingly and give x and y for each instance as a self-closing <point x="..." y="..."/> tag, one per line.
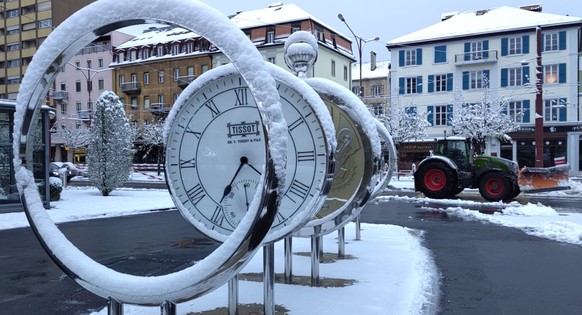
<point x="452" y="167"/>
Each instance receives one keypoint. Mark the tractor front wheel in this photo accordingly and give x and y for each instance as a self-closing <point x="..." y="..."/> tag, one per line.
<point x="436" y="180"/>
<point x="495" y="187"/>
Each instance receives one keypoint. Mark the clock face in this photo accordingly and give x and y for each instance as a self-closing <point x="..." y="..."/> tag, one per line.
<point x="215" y="157"/>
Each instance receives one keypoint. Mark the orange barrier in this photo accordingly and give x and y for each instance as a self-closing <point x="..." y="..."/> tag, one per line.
<point x="539" y="179"/>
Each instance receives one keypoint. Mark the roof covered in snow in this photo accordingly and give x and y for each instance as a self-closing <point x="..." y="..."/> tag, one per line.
<point x="476" y="22"/>
<point x="381" y="71"/>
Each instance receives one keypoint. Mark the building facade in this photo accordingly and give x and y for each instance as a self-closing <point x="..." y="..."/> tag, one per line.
<point x="375" y="83"/>
<point x="24" y="24"/>
<point x="495" y="50"/>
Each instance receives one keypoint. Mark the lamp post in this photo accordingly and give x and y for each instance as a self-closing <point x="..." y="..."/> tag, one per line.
<point x="360" y="42"/>
<point x="539" y="117"/>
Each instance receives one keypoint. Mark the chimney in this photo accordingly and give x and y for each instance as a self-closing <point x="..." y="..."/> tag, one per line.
<point x="532" y="7"/>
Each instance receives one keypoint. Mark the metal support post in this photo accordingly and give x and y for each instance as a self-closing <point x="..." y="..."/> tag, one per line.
<point x="114" y="307"/>
<point x="288" y="259"/>
<point x="269" y="279"/>
<point x="341" y="243"/>
<point x="233" y="295"/>
<point x="168" y="308"/>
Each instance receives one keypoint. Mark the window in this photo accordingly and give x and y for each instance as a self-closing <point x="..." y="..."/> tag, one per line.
<point x="411" y="85"/>
<point x="77" y="65"/>
<point x="377" y="90"/>
<point x="14" y="63"/>
<point x="440" y="54"/>
<point x="476" y="50"/>
<point x="146" y="78"/>
<point x="146" y="102"/>
<point x="189" y="47"/>
<point x="12" y="13"/>
<point x="204" y="68"/>
<point x="161" y="98"/>
<point x="160" y="77"/>
<point x="89" y="64"/>
<point x="440" y="82"/>
<point x="475" y="79"/>
<point x="515" y="111"/>
<point x="100" y="62"/>
<point x="132" y="55"/>
<point x="410" y="57"/>
<point x="13" y="47"/>
<point x="270" y="37"/>
<point x="13" y="80"/>
<point x="550" y="41"/>
<point x="515" y="45"/>
<point x="440" y="115"/>
<point x="160" y="51"/>
<point x="515" y="77"/>
<point x="63" y="108"/>
<point x="555" y="109"/>
<point x="176" y="49"/>
<point x="176" y="74"/>
<point x="45" y="23"/>
<point x="190" y="71"/>
<point x="78" y="105"/>
<point x="378" y="110"/>
<point x="295" y="27"/>
<point x="333" y="68"/>
<point x="101" y="84"/>
<point x="551" y="74"/>
<point x="121" y="79"/>
<point x="271" y="60"/>
<point x="10" y="30"/>
<point x="319" y="33"/>
<point x="345" y="73"/>
<point x="356" y="90"/>
<point x="89" y="105"/>
<point x="78" y="86"/>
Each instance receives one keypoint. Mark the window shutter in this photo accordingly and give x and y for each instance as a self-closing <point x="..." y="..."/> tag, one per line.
<point x="401" y="58"/>
<point x="525" y="112"/>
<point x="400" y="85"/>
<point x="562" y="40"/>
<point x="465" y="80"/>
<point x="525" y="75"/>
<point x="504" y="46"/>
<point x="449" y="81"/>
<point x="486" y="75"/>
<point x="440" y="54"/>
<point x="430" y="116"/>
<point x="449" y="114"/>
<point x="562" y="109"/>
<point x="525" y="44"/>
<point x="419" y="84"/>
<point x="419" y="56"/>
<point x="430" y="83"/>
<point x="562" y="73"/>
<point x="485" y="49"/>
<point x="504" y="72"/>
<point x="467" y="49"/>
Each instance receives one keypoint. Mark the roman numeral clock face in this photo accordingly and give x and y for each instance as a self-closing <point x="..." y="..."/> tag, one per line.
<point x="216" y="153"/>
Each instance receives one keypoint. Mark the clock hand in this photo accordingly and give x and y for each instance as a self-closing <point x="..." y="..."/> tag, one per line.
<point x="246" y="196"/>
<point x="256" y="170"/>
<point x="243" y="160"/>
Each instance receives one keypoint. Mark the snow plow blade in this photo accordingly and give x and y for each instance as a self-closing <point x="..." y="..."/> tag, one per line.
<point x="540" y="179"/>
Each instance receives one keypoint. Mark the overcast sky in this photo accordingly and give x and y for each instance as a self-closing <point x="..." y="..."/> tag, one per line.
<point x="390" y="19"/>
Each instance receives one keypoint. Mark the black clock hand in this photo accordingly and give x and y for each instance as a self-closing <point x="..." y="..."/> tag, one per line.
<point x="256" y="170"/>
<point x="243" y="160"/>
<point x="246" y="196"/>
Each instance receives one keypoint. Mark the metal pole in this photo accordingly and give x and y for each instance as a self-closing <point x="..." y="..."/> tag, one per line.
<point x="114" y="307"/>
<point x="233" y="295"/>
<point x="341" y="243"/>
<point x="269" y="279"/>
<point x="360" y="57"/>
<point x="168" y="308"/>
<point x="315" y="256"/>
<point x="288" y="259"/>
<point x="539" y="117"/>
<point x="358" y="230"/>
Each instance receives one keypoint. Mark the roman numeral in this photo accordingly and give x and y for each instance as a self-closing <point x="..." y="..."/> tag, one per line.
<point x="217" y="216"/>
<point x="195" y="133"/>
<point x="213" y="109"/>
<point x="191" y="163"/>
<point x="195" y="194"/>
<point x="298" y="189"/>
<point x="295" y="124"/>
<point x="241" y="97"/>
<point x="305" y="156"/>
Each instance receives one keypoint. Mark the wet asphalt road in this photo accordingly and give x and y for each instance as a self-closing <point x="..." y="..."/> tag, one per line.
<point x="484" y="268"/>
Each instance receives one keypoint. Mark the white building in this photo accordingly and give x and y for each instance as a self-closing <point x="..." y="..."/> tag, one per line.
<point x="468" y="50"/>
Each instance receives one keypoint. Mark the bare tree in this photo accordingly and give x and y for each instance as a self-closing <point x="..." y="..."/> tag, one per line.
<point x="71" y="132"/>
<point x="405" y="124"/>
<point x="151" y="134"/>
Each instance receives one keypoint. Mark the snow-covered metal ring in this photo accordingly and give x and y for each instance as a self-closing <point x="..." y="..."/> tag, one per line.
<point x="384" y="175"/>
<point x="99" y="18"/>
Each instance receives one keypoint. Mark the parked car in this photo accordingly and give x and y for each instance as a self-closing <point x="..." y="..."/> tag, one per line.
<point x="68" y="168"/>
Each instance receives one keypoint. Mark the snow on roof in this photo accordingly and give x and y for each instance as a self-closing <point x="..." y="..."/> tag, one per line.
<point x="381" y="71"/>
<point x="155" y="35"/>
<point x="275" y="14"/>
<point x="476" y="22"/>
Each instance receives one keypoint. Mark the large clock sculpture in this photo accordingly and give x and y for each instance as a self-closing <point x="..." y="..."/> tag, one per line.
<point x="216" y="269"/>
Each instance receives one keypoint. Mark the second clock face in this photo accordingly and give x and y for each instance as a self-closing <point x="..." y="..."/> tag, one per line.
<point x="216" y="149"/>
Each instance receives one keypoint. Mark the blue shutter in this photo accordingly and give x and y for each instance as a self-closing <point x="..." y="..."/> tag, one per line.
<point x="449" y="81"/>
<point x="401" y="58"/>
<point x="419" y="84"/>
<point x="440" y="54"/>
<point x="562" y="40"/>
<point x="465" y="80"/>
<point x="419" y="56"/>
<point x="525" y="44"/>
<point x="467" y="49"/>
<point x="525" y="113"/>
<point x="430" y="83"/>
<point x="504" y="46"/>
<point x="400" y="85"/>
<point x="486" y="75"/>
<point x="562" y="109"/>
<point x="449" y="114"/>
<point x="485" y="49"/>
<point x="430" y="116"/>
<point x="562" y="73"/>
<point x="525" y="75"/>
<point x="504" y="74"/>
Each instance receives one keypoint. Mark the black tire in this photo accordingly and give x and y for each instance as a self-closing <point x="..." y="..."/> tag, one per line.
<point x="458" y="190"/>
<point x="436" y="180"/>
<point x="516" y="191"/>
<point x="495" y="187"/>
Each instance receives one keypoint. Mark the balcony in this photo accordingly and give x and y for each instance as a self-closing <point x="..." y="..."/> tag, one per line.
<point x="185" y="80"/>
<point x="131" y="88"/>
<point x="471" y="58"/>
<point x="159" y="109"/>
<point x="59" y="95"/>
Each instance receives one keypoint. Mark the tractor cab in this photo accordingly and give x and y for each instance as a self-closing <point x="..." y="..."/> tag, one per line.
<point x="458" y="150"/>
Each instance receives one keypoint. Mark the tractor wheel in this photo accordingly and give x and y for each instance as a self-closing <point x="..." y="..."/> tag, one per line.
<point x="516" y="191"/>
<point x="436" y="180"/>
<point x="495" y="186"/>
<point x="458" y="190"/>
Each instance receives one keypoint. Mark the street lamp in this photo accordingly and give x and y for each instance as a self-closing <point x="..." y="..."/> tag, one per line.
<point x="360" y="44"/>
